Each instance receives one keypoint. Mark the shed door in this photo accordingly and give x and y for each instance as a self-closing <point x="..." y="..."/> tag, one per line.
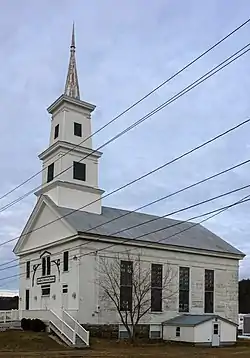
<point x="216" y="334"/>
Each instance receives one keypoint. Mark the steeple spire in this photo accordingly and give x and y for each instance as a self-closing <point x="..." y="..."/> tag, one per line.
<point x="72" y="86"/>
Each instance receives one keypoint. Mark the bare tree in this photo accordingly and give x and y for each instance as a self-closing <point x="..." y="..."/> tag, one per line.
<point x="132" y="287"/>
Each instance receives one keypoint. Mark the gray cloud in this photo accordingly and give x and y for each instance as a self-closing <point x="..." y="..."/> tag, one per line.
<point x="124" y="50"/>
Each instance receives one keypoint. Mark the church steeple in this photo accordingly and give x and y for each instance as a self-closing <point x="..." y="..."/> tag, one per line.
<point x="72" y="85"/>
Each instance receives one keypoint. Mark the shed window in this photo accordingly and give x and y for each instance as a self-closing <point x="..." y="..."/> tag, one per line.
<point x="178" y="331"/>
<point x="216" y="328"/>
<point x="79" y="171"/>
<point x="156" y="288"/>
<point x="209" y="291"/>
<point x="126" y="272"/>
<point x="184" y="277"/>
<point x="45" y="290"/>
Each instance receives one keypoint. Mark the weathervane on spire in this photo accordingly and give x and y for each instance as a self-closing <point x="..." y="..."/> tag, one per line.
<point x="72" y="86"/>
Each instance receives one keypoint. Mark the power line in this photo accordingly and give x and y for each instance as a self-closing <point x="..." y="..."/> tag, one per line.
<point x="149" y="204"/>
<point x="215" y="212"/>
<point x="135" y="180"/>
<point x="135" y="103"/>
<point x="188" y="88"/>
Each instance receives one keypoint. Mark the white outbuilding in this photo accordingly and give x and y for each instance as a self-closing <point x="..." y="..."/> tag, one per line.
<point x="207" y="330"/>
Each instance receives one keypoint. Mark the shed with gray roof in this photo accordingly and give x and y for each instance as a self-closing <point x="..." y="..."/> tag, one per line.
<point x="203" y="329"/>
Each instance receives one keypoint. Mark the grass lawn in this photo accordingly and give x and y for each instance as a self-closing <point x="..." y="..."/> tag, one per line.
<point x="28" y="344"/>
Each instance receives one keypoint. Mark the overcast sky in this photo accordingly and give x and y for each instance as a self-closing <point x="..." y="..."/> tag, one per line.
<point x="124" y="50"/>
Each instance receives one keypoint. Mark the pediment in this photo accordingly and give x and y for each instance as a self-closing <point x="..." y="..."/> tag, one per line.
<point x="44" y="227"/>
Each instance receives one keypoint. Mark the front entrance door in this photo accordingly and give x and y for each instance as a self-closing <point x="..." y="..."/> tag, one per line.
<point x="216" y="335"/>
<point x="27" y="299"/>
<point x="65" y="297"/>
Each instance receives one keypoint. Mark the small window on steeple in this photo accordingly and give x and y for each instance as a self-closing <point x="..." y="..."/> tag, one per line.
<point x="56" y="133"/>
<point x="50" y="173"/>
<point x="77" y="129"/>
<point x="79" y="171"/>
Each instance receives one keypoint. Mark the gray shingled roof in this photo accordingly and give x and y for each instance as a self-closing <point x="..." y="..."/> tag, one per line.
<point x="144" y="224"/>
<point x="193" y="320"/>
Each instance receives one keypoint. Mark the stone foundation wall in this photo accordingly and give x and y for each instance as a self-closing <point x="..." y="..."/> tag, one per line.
<point x="110" y="331"/>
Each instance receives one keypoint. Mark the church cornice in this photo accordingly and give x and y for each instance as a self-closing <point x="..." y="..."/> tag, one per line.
<point x="66" y="100"/>
<point x="65" y="184"/>
<point x="63" y="145"/>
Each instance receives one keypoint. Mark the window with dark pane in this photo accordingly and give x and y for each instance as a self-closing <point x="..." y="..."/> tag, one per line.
<point x="156" y="288"/>
<point x="184" y="278"/>
<point x="50" y="173"/>
<point x="126" y="274"/>
<point x="28" y="269"/>
<point x="43" y="266"/>
<point x="178" y="331"/>
<point x="77" y="129"/>
<point x="79" y="171"/>
<point x="48" y="265"/>
<point x="65" y="289"/>
<point x="209" y="291"/>
<point x="56" y="133"/>
<point x="66" y="261"/>
<point x="45" y="290"/>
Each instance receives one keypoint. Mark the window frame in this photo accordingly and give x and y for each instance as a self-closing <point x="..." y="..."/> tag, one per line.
<point x="56" y="131"/>
<point x="184" y="289"/>
<point x="178" y="331"/>
<point x="66" y="261"/>
<point x="77" y="165"/>
<point x="209" y="291"/>
<point x="156" y="287"/>
<point x="45" y="287"/>
<point x="65" y="288"/>
<point x="46" y="265"/>
<point x="27" y="269"/>
<point x="50" y="172"/>
<point x="77" y="129"/>
<point x="126" y="289"/>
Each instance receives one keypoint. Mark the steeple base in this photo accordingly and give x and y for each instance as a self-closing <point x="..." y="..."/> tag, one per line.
<point x="72" y="196"/>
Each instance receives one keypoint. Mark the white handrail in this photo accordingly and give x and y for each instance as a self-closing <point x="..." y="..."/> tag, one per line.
<point x="63" y="327"/>
<point x="79" y="330"/>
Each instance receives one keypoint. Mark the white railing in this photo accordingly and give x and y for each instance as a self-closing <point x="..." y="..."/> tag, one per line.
<point x="9" y="316"/>
<point x="62" y="327"/>
<point x="79" y="330"/>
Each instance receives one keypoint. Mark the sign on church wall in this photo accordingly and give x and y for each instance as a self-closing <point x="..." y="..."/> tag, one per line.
<point x="46" y="279"/>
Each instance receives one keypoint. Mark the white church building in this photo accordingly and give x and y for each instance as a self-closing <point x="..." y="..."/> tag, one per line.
<point x="69" y="231"/>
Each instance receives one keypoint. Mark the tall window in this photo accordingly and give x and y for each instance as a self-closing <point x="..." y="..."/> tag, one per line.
<point x="28" y="269"/>
<point x="184" y="289"/>
<point x="56" y="133"/>
<point x="50" y="173"/>
<point x="79" y="171"/>
<point x="46" y="266"/>
<point x="66" y="261"/>
<point x="209" y="291"/>
<point x="126" y="273"/>
<point x="156" y="288"/>
<point x="77" y="129"/>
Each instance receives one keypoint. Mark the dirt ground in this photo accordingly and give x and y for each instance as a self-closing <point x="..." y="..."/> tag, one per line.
<point x="18" y="344"/>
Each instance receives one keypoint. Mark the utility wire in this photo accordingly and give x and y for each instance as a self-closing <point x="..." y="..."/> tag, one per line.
<point x="146" y="205"/>
<point x="194" y="84"/>
<point x="133" y="181"/>
<point x="214" y="212"/>
<point x="135" y="103"/>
